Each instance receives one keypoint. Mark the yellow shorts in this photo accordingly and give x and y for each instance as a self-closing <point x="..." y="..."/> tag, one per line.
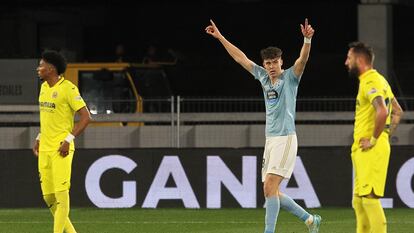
<point x="54" y="171"/>
<point x="370" y="168"/>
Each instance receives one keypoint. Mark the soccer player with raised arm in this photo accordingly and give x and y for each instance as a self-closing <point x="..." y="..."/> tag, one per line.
<point x="59" y="100"/>
<point x="377" y="115"/>
<point x="279" y="89"/>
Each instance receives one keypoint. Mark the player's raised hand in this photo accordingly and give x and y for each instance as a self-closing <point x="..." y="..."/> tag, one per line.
<point x="307" y="29"/>
<point x="213" y="30"/>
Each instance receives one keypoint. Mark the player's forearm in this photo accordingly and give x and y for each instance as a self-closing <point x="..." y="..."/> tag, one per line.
<point x="395" y="120"/>
<point x="300" y="63"/>
<point x="380" y="119"/>
<point x="84" y="120"/>
<point x="80" y="126"/>
<point x="234" y="52"/>
<point x="304" y="53"/>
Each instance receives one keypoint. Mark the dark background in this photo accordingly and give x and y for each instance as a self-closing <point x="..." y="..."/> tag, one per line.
<point x="92" y="29"/>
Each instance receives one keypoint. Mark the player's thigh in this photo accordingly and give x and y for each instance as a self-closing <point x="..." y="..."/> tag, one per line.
<point x="269" y="144"/>
<point x="62" y="170"/>
<point x="45" y="172"/>
<point x="289" y="155"/>
<point x="282" y="156"/>
<point x="382" y="156"/>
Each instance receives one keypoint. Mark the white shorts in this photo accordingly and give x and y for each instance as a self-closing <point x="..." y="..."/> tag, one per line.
<point x="279" y="156"/>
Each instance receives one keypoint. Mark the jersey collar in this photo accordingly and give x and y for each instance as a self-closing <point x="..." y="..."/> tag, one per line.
<point x="60" y="80"/>
<point x="366" y="73"/>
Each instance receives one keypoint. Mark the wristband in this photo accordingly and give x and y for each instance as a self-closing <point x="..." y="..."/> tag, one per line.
<point x="38" y="137"/>
<point x="69" y="138"/>
<point x="307" y="40"/>
<point x="372" y="141"/>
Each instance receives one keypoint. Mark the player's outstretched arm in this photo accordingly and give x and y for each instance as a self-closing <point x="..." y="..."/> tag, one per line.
<point x="234" y="52"/>
<point x="300" y="63"/>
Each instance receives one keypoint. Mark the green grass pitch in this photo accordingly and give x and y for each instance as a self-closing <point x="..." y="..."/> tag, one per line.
<point x="135" y="220"/>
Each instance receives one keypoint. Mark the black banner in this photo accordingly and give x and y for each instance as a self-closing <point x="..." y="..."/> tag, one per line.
<point x="199" y="178"/>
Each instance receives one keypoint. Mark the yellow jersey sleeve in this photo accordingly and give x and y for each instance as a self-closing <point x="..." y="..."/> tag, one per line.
<point x="373" y="88"/>
<point x="75" y="100"/>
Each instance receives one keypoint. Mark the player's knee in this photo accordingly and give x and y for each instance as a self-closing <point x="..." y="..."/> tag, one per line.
<point x="49" y="199"/>
<point x="270" y="189"/>
<point x="380" y="228"/>
<point x="363" y="228"/>
<point x="356" y="202"/>
<point x="271" y="185"/>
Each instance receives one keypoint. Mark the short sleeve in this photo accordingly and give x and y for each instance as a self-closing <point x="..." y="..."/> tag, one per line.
<point x="373" y="89"/>
<point x="260" y="74"/>
<point x="75" y="100"/>
<point x="292" y="77"/>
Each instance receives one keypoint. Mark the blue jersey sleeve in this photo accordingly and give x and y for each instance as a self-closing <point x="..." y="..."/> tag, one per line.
<point x="260" y="74"/>
<point x="292" y="77"/>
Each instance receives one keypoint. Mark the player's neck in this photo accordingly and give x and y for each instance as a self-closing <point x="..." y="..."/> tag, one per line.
<point x="274" y="79"/>
<point x="53" y="80"/>
<point x="364" y="69"/>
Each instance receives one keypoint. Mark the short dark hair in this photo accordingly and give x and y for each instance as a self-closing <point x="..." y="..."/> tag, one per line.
<point x="56" y="59"/>
<point x="271" y="53"/>
<point x="364" y="50"/>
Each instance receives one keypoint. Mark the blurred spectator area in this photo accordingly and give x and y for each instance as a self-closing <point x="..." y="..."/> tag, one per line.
<point x="89" y="32"/>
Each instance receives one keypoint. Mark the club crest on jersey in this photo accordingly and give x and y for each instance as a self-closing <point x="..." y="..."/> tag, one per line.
<point x="54" y="94"/>
<point x="372" y="91"/>
<point x="78" y="97"/>
<point x="272" y="96"/>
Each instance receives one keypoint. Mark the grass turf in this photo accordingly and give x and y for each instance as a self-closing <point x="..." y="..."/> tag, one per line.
<point x="135" y="220"/>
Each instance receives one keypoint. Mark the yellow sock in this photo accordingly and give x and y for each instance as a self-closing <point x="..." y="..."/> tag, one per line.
<point x="69" y="226"/>
<point x="375" y="213"/>
<point x="362" y="222"/>
<point x="61" y="220"/>
<point x="51" y="203"/>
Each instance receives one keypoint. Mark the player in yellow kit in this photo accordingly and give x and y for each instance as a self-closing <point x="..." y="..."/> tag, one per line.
<point x="59" y="100"/>
<point x="377" y="115"/>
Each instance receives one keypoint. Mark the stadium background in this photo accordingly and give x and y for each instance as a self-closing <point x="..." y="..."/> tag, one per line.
<point x="217" y="127"/>
<point x="90" y="31"/>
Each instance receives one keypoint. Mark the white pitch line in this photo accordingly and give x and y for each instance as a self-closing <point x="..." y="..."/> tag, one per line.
<point x="178" y="222"/>
<point x="138" y="222"/>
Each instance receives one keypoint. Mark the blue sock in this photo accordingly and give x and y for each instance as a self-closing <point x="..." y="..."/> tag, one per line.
<point x="272" y="211"/>
<point x="291" y="206"/>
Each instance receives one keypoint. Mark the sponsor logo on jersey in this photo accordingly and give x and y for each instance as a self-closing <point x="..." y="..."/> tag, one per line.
<point x="372" y="91"/>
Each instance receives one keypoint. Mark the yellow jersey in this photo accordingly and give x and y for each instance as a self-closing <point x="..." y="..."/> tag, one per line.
<point x="57" y="105"/>
<point x="371" y="84"/>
